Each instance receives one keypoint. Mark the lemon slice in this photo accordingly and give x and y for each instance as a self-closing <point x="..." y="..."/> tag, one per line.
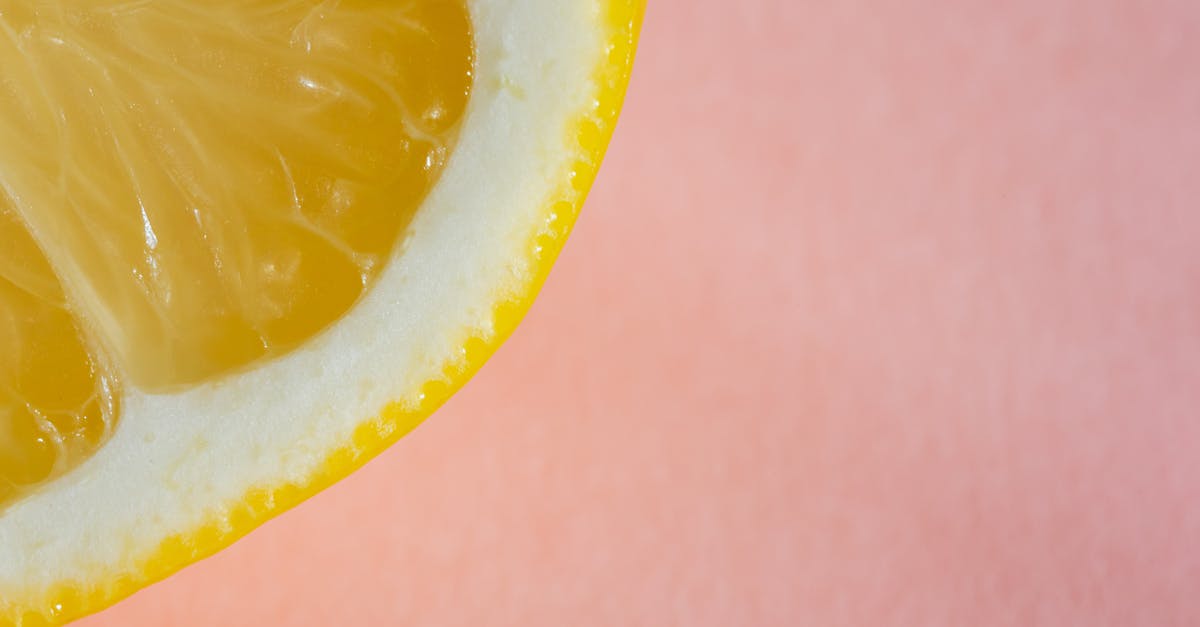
<point x="245" y="245"/>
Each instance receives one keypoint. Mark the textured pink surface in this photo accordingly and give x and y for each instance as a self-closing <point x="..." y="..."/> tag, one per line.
<point x="881" y="313"/>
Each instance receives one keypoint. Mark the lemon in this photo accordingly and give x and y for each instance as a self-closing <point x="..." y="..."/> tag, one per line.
<point x="245" y="245"/>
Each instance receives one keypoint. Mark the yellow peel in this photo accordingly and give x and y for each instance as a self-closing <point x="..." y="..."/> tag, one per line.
<point x="593" y="129"/>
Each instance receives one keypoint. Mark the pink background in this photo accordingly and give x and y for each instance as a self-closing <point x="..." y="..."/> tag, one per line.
<point x="881" y="313"/>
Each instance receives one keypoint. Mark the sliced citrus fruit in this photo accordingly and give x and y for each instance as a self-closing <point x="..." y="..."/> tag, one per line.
<point x="245" y="245"/>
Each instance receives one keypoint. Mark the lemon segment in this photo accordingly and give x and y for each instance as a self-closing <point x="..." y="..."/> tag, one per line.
<point x="55" y="407"/>
<point x="206" y="185"/>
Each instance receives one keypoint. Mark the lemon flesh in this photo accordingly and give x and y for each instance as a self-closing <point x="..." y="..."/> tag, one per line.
<point x="55" y="407"/>
<point x="192" y="188"/>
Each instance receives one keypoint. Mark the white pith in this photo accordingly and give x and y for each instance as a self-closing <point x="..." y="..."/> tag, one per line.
<point x="177" y="461"/>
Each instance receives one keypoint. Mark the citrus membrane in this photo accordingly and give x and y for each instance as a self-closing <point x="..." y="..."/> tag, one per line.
<point x="193" y="187"/>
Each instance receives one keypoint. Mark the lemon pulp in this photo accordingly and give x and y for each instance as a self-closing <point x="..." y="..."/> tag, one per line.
<point x="187" y="188"/>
